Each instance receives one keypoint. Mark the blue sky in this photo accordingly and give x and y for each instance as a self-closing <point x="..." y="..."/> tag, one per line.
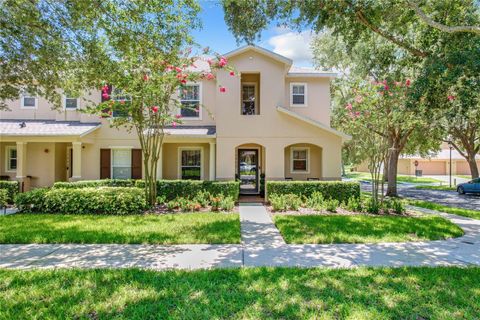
<point x="216" y="35"/>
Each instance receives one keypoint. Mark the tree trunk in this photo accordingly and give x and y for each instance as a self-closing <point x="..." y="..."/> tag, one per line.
<point x="392" y="172"/>
<point x="473" y="166"/>
<point x="385" y="170"/>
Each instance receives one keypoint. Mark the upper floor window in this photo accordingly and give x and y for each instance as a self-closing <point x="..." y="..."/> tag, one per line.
<point x="190" y="97"/>
<point x="249" y="99"/>
<point x="11" y="161"/>
<point x="298" y="94"/>
<point x="119" y="96"/>
<point x="70" y="102"/>
<point x="28" y="101"/>
<point x="300" y="162"/>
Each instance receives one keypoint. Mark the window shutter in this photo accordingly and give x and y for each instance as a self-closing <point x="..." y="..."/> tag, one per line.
<point x="136" y="163"/>
<point x="105" y="163"/>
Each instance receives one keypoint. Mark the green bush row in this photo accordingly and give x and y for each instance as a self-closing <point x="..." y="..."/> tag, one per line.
<point x="170" y="189"/>
<point x="3" y="198"/>
<point x="102" y="200"/>
<point x="337" y="190"/>
<point x="12" y="188"/>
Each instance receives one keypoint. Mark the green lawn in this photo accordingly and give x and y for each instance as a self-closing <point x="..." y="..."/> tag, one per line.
<point x="475" y="214"/>
<point x="154" y="229"/>
<point x="303" y="229"/>
<point x="249" y="293"/>
<point x="400" y="178"/>
<point x="442" y="188"/>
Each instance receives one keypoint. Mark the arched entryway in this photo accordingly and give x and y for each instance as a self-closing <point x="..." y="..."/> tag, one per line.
<point x="303" y="161"/>
<point x="250" y="167"/>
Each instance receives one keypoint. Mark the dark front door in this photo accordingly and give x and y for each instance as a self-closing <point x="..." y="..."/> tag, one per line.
<point x="248" y="170"/>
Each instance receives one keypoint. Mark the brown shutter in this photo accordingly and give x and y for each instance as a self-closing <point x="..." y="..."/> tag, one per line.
<point x="105" y="163"/>
<point x="136" y="163"/>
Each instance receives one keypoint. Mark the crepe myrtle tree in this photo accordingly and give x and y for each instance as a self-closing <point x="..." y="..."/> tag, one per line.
<point x="146" y="100"/>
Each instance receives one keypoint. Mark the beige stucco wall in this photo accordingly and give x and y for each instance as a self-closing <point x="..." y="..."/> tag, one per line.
<point x="315" y="162"/>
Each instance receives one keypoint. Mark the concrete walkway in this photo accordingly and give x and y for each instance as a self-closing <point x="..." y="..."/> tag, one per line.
<point x="262" y="246"/>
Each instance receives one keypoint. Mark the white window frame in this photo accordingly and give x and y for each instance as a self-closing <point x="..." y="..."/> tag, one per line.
<point x="22" y="101"/>
<point x="257" y="102"/>
<point x="305" y="94"/>
<point x="7" y="158"/>
<point x="292" y="149"/>
<point x="111" y="159"/>
<point x="126" y="98"/>
<point x="65" y="97"/>
<point x="200" y="101"/>
<point x="179" y="161"/>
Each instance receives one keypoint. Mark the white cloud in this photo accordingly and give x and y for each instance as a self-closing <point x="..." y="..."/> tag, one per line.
<point x="293" y="45"/>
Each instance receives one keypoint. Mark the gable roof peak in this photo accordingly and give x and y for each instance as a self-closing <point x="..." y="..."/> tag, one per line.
<point x="260" y="50"/>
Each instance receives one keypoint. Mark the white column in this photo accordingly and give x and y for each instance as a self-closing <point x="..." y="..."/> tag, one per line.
<point x="212" y="161"/>
<point x="21" y="160"/>
<point x="77" y="160"/>
<point x="160" y="165"/>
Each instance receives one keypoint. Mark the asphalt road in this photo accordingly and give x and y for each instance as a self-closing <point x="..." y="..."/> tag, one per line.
<point x="447" y="198"/>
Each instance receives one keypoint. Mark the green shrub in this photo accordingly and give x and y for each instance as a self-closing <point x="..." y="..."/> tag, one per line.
<point x="95" y="183"/>
<point x="398" y="207"/>
<point x="332" y="205"/>
<point x="341" y="191"/>
<point x="12" y="188"/>
<point x="31" y="201"/>
<point x="315" y="201"/>
<point x="285" y="202"/>
<point x="354" y="204"/>
<point x="203" y="198"/>
<point x="372" y="206"/>
<point x="172" y="189"/>
<point x="161" y="200"/>
<point x="227" y="204"/>
<point x="3" y="198"/>
<point x="102" y="200"/>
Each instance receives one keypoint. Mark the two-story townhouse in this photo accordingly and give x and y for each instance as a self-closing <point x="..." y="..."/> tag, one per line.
<point x="273" y="119"/>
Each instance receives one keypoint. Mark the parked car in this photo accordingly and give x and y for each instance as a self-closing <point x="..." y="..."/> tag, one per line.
<point x="472" y="186"/>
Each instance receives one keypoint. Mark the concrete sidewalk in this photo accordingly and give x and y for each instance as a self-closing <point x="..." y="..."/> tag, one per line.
<point x="259" y="248"/>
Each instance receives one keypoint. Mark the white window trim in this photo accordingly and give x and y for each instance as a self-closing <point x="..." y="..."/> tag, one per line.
<point x="200" y="99"/>
<point x="111" y="158"/>
<point x="7" y="158"/>
<point x="257" y="102"/>
<point x="292" y="149"/>
<point x="65" y="97"/>
<point x="22" y="106"/>
<point x="305" y="93"/>
<point x="179" y="161"/>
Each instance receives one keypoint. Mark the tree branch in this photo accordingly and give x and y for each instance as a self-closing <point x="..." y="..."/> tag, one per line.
<point x="439" y="26"/>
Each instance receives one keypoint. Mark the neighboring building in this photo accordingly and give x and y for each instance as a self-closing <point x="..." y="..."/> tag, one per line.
<point x="273" y="119"/>
<point x="437" y="164"/>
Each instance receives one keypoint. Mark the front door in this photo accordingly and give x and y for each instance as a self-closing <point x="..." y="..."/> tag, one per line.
<point x="248" y="171"/>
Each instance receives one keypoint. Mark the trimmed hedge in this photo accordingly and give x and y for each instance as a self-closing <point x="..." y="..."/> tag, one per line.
<point x="95" y="183"/>
<point x="341" y="191"/>
<point x="12" y="188"/>
<point x="101" y="200"/>
<point x="169" y="189"/>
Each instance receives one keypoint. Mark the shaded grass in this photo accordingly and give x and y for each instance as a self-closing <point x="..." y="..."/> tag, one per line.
<point x="303" y="229"/>
<point x="443" y="188"/>
<point x="252" y="293"/>
<point x="475" y="214"/>
<point x="153" y="229"/>
<point x="400" y="178"/>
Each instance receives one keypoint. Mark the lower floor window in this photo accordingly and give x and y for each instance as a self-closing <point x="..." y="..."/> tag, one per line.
<point x="191" y="164"/>
<point x="121" y="163"/>
<point x="300" y="160"/>
<point x="11" y="158"/>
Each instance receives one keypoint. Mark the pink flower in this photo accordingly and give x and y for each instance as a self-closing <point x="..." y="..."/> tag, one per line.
<point x="178" y="116"/>
<point x="183" y="81"/>
<point x="209" y="76"/>
<point x="178" y="69"/>
<point x="209" y="61"/>
<point x="145" y="77"/>
<point x="384" y="82"/>
<point x="155" y="109"/>
<point x="105" y="89"/>
<point x="232" y="73"/>
<point x="105" y="95"/>
<point x="386" y="88"/>
<point x="349" y="106"/>
<point x="407" y="83"/>
<point x="451" y="98"/>
<point x="174" y="124"/>
<point x="223" y="89"/>
<point x="398" y="84"/>
<point x="357" y="114"/>
<point x="358" y="99"/>
<point x="223" y="62"/>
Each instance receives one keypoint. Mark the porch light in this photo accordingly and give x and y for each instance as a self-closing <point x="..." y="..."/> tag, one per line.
<point x="22" y="124"/>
